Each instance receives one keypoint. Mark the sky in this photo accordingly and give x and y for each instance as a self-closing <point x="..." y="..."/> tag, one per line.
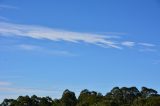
<point x="47" y="46"/>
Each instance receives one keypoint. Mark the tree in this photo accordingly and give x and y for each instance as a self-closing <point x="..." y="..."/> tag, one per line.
<point x="35" y="100"/>
<point x="89" y="98"/>
<point x="116" y="97"/>
<point x="56" y="102"/>
<point x="45" y="101"/>
<point x="147" y="92"/>
<point x="7" y="102"/>
<point x="24" y="101"/>
<point x="68" y="98"/>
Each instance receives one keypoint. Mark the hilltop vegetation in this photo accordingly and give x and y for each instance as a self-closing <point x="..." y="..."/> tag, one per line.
<point x="116" y="97"/>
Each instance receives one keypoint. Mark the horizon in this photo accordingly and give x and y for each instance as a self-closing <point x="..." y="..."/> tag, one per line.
<point x="49" y="46"/>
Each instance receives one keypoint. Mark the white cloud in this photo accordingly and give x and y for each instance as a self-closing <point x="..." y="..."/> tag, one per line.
<point x="39" y="32"/>
<point x="147" y="47"/>
<point x="60" y="53"/>
<point x="25" y="90"/>
<point x="128" y="43"/>
<point x="4" y="6"/>
<point x="146" y="44"/>
<point x="28" y="47"/>
<point x="38" y="49"/>
<point x="3" y="83"/>
<point x="13" y="93"/>
<point x="10" y="92"/>
<point x="8" y="89"/>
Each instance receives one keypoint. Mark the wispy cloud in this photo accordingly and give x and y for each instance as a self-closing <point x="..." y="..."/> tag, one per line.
<point x="39" y="32"/>
<point x="4" y="6"/>
<point x="25" y="90"/>
<point x="35" y="48"/>
<point x="147" y="44"/>
<point x="147" y="47"/>
<point x="28" y="47"/>
<point x="61" y="53"/>
<point x="128" y="43"/>
<point x="13" y="93"/>
<point x="10" y="89"/>
<point x="4" y="83"/>
<point x="142" y="47"/>
<point x="3" y="18"/>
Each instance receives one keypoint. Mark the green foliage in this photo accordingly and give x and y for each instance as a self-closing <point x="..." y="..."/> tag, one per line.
<point x="89" y="98"/>
<point x="116" y="97"/>
<point x="68" y="98"/>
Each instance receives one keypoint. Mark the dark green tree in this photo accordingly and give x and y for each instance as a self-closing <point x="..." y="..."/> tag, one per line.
<point x="45" y="101"/>
<point x="68" y="98"/>
<point x="116" y="97"/>
<point x="89" y="98"/>
<point x="147" y="92"/>
<point x="7" y="102"/>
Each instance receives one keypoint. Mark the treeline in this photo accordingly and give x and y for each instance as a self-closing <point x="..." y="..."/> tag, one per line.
<point x="116" y="97"/>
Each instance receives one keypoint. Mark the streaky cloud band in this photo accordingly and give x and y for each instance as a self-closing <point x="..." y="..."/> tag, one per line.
<point x="38" y="32"/>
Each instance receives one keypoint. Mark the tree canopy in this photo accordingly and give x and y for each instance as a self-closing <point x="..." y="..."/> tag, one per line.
<point x="125" y="96"/>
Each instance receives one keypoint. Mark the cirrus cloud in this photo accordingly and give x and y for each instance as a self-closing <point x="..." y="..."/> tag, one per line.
<point x="128" y="43"/>
<point x="38" y="32"/>
<point x="4" y="83"/>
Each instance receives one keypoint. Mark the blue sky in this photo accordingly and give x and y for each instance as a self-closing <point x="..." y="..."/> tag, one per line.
<point x="49" y="46"/>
